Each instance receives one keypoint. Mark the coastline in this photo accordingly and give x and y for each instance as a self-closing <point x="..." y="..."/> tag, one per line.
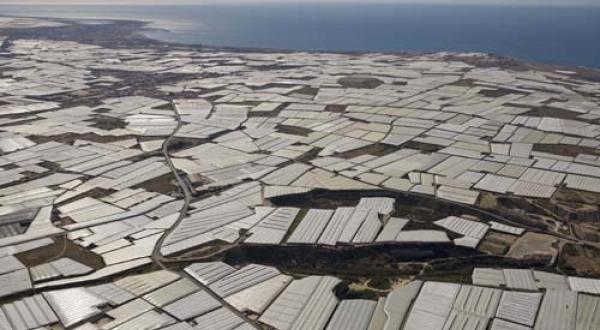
<point x="129" y="33"/>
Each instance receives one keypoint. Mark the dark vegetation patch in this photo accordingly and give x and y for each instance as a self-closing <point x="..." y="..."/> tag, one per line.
<point x="69" y="138"/>
<point x="165" y="184"/>
<point x="495" y="243"/>
<point x="547" y="111"/>
<point x="307" y="90"/>
<point x="337" y="108"/>
<point x="261" y="114"/>
<point x="579" y="260"/>
<point x="180" y="143"/>
<point x="427" y="147"/>
<point x="310" y="155"/>
<point x="108" y="123"/>
<point x="360" y="82"/>
<point x="565" y="149"/>
<point x="90" y="97"/>
<point x="380" y="282"/>
<point x="344" y="292"/>
<point x="272" y="85"/>
<point x="496" y="92"/>
<point x="587" y="231"/>
<point x="198" y="180"/>
<point x="375" y="149"/>
<point x="10" y="166"/>
<point x="342" y="261"/>
<point x="571" y="206"/>
<point x="294" y="130"/>
<point x="205" y="252"/>
<point x="102" y="110"/>
<point x="568" y="195"/>
<point x="378" y="263"/>
<point x="461" y="275"/>
<point x="518" y="209"/>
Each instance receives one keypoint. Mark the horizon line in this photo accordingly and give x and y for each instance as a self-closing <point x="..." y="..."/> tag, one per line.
<point x="310" y="2"/>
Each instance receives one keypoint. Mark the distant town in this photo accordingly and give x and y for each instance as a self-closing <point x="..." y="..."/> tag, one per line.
<point x="148" y="185"/>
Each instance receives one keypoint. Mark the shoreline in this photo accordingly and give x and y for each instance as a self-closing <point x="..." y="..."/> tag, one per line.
<point x="131" y="33"/>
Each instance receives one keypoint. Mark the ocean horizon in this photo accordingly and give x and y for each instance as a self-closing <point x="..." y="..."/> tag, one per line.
<point x="554" y="35"/>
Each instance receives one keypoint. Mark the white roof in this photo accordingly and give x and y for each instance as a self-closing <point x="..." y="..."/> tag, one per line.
<point x="74" y="305"/>
<point x="432" y="307"/>
<point x="519" y="307"/>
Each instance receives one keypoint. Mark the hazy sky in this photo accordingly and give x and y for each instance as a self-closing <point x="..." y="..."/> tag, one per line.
<point x="172" y="2"/>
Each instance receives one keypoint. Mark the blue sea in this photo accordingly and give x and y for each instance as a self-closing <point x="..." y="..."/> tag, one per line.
<point x="553" y="34"/>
